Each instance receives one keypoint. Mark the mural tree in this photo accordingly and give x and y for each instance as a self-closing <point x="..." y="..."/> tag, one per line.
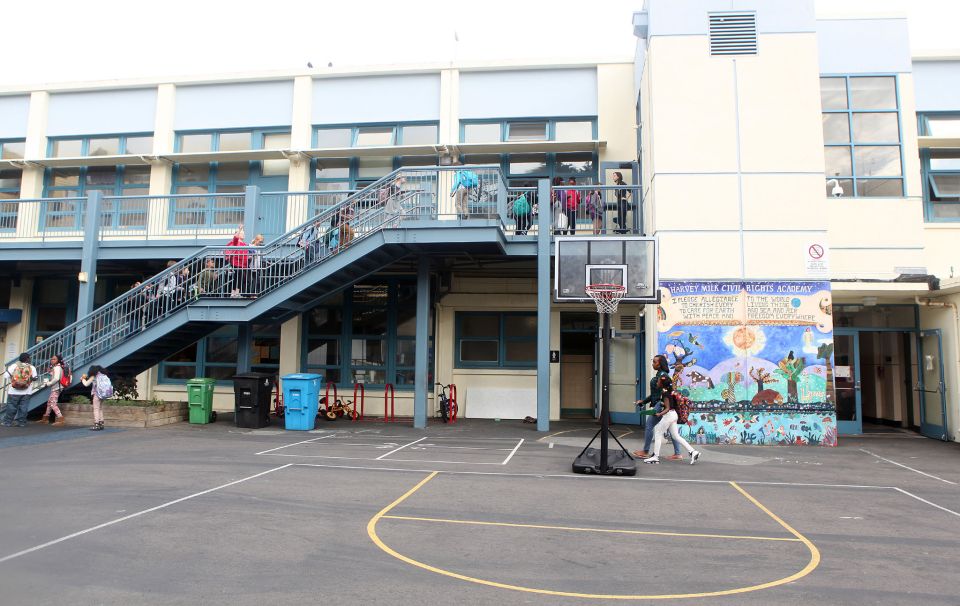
<point x="730" y="393"/>
<point x="791" y="369"/>
<point x="825" y="353"/>
<point x="762" y="377"/>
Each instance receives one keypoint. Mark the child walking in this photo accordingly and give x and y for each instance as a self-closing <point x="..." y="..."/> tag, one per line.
<point x="56" y="373"/>
<point x="101" y="389"/>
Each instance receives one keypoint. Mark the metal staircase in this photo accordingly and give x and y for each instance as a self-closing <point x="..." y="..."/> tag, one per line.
<point x="361" y="235"/>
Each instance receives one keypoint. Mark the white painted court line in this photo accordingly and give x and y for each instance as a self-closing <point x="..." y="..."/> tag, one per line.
<point x="331" y="457"/>
<point x="911" y="495"/>
<point x="294" y="444"/>
<point x="923" y="473"/>
<point x="399" y="449"/>
<point x="512" y="452"/>
<point x="137" y="514"/>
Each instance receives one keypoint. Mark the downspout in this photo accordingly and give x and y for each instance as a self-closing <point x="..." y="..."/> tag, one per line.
<point x="956" y="325"/>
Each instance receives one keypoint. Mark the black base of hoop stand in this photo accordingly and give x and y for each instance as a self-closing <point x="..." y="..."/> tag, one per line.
<point x="604" y="462"/>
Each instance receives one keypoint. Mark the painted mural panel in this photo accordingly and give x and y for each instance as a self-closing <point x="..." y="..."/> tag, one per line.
<point x="755" y="359"/>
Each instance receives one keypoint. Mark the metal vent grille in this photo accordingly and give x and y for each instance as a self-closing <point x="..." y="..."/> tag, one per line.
<point x="629" y="323"/>
<point x="733" y="33"/>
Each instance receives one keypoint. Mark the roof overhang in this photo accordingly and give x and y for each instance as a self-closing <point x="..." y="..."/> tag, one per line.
<point x="938" y="142"/>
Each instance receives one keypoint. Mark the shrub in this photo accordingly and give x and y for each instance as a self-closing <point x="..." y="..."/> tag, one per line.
<point x="79" y="400"/>
<point x="125" y="388"/>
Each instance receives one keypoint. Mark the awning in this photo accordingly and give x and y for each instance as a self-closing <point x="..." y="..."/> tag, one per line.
<point x="939" y="142"/>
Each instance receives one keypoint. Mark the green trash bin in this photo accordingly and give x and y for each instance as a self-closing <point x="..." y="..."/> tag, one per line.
<point x="200" y="399"/>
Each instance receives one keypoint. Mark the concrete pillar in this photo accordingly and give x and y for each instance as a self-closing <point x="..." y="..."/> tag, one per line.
<point x="89" y="254"/>
<point x="31" y="182"/>
<point x="423" y="350"/>
<point x="291" y="333"/>
<point x="543" y="306"/>
<point x="161" y="171"/>
<point x="251" y="211"/>
<point x="17" y="334"/>
<point x="449" y="106"/>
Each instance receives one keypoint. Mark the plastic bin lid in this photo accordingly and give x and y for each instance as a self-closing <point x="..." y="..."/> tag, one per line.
<point x="200" y="381"/>
<point x="306" y="376"/>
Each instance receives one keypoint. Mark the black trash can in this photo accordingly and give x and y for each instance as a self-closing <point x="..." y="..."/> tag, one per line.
<point x="251" y="405"/>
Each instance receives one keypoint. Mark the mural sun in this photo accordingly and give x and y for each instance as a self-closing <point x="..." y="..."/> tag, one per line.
<point x="745" y="340"/>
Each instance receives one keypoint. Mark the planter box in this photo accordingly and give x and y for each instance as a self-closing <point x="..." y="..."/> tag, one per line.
<point x="127" y="416"/>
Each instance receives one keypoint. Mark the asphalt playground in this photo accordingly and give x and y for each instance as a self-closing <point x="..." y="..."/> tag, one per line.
<point x="479" y="512"/>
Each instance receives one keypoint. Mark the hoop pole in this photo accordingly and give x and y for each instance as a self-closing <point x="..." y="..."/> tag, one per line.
<point x="388" y="389"/>
<point x="605" y="395"/>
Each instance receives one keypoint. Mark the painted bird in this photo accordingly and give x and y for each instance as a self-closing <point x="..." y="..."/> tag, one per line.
<point x="692" y="338"/>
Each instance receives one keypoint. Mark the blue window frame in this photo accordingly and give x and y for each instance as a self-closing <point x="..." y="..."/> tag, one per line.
<point x="333" y="136"/>
<point x="863" y="134"/>
<point x="214" y="357"/>
<point x="524" y="169"/>
<point x="364" y="335"/>
<point x="11" y="149"/>
<point x="573" y="128"/>
<point x="100" y="145"/>
<point x="496" y="339"/>
<point x="349" y="174"/>
<point x="111" y="180"/>
<point x="940" y="168"/>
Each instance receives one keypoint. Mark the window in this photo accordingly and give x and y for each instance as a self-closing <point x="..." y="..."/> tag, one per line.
<point x="375" y="135"/>
<point x="12" y="150"/>
<point x="861" y="135"/>
<point x="564" y="129"/>
<point x="496" y="340"/>
<point x="115" y="145"/>
<point x="366" y="335"/>
<point x="213" y="357"/>
<point x="9" y="190"/>
<point x="227" y="177"/>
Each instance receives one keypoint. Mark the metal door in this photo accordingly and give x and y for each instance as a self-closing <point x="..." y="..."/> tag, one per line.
<point x="846" y="381"/>
<point x="933" y="392"/>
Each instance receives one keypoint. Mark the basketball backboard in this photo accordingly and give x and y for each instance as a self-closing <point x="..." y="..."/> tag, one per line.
<point x="630" y="261"/>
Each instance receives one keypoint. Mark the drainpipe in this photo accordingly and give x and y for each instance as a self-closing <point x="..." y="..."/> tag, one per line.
<point x="956" y="324"/>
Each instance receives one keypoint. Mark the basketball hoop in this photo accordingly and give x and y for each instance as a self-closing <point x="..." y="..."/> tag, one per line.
<point x="606" y="296"/>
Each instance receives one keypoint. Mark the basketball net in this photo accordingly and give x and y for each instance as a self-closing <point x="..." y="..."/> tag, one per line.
<point x="606" y="296"/>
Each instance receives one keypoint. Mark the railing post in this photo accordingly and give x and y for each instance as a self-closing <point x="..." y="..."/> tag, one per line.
<point x="89" y="253"/>
<point x="501" y="198"/>
<point x="543" y="305"/>
<point x="422" y="349"/>
<point x="251" y="211"/>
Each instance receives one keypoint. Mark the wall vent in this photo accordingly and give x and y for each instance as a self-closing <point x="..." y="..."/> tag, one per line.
<point x="628" y="322"/>
<point x="733" y="33"/>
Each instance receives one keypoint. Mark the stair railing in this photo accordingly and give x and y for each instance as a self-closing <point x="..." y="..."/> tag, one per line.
<point x="232" y="272"/>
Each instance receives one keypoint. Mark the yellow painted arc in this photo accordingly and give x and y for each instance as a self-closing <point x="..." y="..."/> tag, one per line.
<point x="811" y="565"/>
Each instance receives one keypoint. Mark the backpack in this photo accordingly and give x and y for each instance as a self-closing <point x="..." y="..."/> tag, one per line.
<point x="22" y="376"/>
<point x="682" y="407"/>
<point x="66" y="378"/>
<point x="521" y="206"/>
<point x="469" y="179"/>
<point x="103" y="386"/>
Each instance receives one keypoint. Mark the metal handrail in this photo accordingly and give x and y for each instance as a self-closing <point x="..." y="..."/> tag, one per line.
<point x="218" y="272"/>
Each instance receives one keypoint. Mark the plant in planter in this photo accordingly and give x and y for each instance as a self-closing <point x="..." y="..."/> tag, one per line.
<point x="79" y="400"/>
<point x="125" y="388"/>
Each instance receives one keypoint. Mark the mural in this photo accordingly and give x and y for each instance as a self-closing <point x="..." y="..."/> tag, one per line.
<point x="755" y="359"/>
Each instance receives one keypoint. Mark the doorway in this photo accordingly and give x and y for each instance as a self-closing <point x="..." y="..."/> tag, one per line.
<point x="933" y="393"/>
<point x="578" y="367"/>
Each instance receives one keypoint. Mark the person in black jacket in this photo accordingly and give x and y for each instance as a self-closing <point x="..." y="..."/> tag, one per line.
<point x="660" y="385"/>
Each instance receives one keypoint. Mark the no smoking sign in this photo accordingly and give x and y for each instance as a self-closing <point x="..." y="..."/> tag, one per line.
<point x="815" y="257"/>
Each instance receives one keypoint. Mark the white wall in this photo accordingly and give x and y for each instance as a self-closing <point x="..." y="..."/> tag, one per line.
<point x="102" y="112"/>
<point x="13" y="116"/>
<point x="937" y="85"/>
<point x="248" y="104"/>
<point x="400" y="98"/>
<point x="537" y="93"/>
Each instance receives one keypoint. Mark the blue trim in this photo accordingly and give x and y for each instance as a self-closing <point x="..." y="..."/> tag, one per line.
<point x="544" y="295"/>
<point x="396" y="137"/>
<point x="853" y="145"/>
<point x="502" y="339"/>
<point x="551" y="125"/>
<point x="928" y="185"/>
<point x="85" y="141"/>
<point x="201" y="365"/>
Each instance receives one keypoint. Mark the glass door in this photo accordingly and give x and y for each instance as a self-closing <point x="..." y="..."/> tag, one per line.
<point x="846" y="380"/>
<point x="933" y="396"/>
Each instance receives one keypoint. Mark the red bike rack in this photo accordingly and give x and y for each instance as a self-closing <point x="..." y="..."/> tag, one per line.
<point x="388" y="389"/>
<point x="362" y="398"/>
<point x="278" y="401"/>
<point x="326" y="396"/>
<point x="453" y="403"/>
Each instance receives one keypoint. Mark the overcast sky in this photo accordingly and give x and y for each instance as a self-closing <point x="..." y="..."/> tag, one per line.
<point x="61" y="41"/>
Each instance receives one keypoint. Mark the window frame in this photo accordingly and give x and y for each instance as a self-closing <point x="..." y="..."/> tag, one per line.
<point x="200" y="364"/>
<point x="927" y="173"/>
<point x="551" y="129"/>
<point x="852" y="145"/>
<point x="502" y="340"/>
<point x="396" y="136"/>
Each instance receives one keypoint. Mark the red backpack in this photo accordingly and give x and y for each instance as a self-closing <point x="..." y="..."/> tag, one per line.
<point x="682" y="406"/>
<point x="66" y="378"/>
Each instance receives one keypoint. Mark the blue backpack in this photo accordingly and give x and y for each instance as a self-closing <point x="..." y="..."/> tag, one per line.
<point x="521" y="206"/>
<point x="468" y="179"/>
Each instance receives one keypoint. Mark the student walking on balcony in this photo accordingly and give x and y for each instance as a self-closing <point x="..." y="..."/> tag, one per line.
<point x="55" y="383"/>
<point x="238" y="262"/>
<point x="256" y="264"/>
<point x="571" y="206"/>
<point x="623" y="196"/>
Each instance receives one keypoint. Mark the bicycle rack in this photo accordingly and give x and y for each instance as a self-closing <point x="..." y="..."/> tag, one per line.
<point x="453" y="403"/>
<point x="388" y="389"/>
<point x="326" y="396"/>
<point x="362" y="398"/>
<point x="278" y="401"/>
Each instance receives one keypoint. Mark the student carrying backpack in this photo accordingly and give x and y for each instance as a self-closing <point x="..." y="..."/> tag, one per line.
<point x="101" y="389"/>
<point x="22" y="375"/>
<point x="521" y="210"/>
<point x="59" y="379"/>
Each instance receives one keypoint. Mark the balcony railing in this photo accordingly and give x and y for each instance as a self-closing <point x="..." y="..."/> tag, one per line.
<point x="596" y="209"/>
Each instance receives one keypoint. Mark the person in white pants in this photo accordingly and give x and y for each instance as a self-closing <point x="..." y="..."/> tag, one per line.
<point x="668" y="422"/>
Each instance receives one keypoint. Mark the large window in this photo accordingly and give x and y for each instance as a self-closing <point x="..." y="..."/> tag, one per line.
<point x="861" y="135"/>
<point x="941" y="168"/>
<point x="100" y="145"/>
<point x="228" y="176"/>
<point x="346" y="174"/>
<point x="213" y="357"/>
<point x="554" y="129"/>
<point x="523" y="170"/>
<point x="366" y="335"/>
<point x="111" y="181"/>
<point x="496" y="340"/>
<point x="375" y="135"/>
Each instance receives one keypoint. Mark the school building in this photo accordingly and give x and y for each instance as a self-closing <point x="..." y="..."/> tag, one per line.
<point x="800" y="175"/>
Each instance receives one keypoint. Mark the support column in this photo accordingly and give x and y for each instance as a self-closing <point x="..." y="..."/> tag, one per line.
<point x="251" y="211"/>
<point x="543" y="306"/>
<point x="244" y="346"/>
<point x="291" y="332"/>
<point x="90" y="251"/>
<point x="423" y="321"/>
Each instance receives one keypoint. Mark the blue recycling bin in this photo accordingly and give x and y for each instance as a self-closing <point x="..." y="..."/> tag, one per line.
<point x="301" y="392"/>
